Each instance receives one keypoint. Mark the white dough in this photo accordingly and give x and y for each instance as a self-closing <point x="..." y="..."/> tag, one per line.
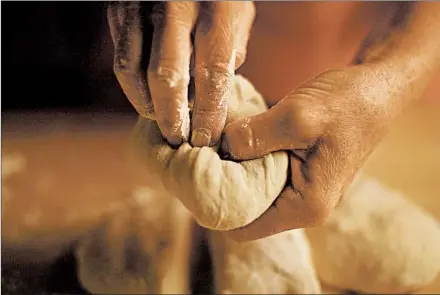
<point x="143" y="248"/>
<point x="221" y="195"/>
<point x="280" y="264"/>
<point x="376" y="242"/>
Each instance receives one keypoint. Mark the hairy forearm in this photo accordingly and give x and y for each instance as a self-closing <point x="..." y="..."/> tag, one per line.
<point x="410" y="57"/>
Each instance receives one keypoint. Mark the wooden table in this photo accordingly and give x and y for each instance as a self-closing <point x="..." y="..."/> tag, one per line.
<point x="63" y="172"/>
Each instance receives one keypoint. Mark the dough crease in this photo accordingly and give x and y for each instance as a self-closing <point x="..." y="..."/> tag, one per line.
<point x="221" y="195"/>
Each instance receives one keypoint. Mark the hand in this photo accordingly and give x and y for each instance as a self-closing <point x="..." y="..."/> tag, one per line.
<point x="330" y="125"/>
<point x="221" y="34"/>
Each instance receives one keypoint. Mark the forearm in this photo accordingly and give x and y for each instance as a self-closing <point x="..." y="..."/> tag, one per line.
<point x="417" y="39"/>
<point x="410" y="57"/>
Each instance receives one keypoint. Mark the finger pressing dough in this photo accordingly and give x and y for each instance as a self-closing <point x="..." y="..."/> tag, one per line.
<point x="280" y="264"/>
<point x="376" y="242"/>
<point x="221" y="195"/>
<point x="143" y="248"/>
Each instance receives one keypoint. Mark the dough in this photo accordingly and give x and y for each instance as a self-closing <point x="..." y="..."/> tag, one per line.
<point x="376" y="242"/>
<point x="221" y="195"/>
<point x="143" y="248"/>
<point x="280" y="264"/>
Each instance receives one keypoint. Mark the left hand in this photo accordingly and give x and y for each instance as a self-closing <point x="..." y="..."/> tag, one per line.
<point x="330" y="124"/>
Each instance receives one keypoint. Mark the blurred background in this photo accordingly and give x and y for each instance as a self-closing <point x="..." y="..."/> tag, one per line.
<point x="65" y="126"/>
<point x="58" y="55"/>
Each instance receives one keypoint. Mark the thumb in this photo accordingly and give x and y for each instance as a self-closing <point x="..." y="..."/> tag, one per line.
<point x="293" y="123"/>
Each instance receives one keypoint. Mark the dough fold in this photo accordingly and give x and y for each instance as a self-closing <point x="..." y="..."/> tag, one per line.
<point x="221" y="194"/>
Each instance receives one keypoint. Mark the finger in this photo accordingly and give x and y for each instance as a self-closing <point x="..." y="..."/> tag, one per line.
<point x="215" y="52"/>
<point x="247" y="17"/>
<point x="113" y="18"/>
<point x="289" y="211"/>
<point x="278" y="218"/>
<point x="317" y="183"/>
<point x="286" y="126"/>
<point x="128" y="53"/>
<point x="168" y="72"/>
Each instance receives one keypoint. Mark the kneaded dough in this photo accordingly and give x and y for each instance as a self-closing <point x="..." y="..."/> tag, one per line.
<point x="279" y="264"/>
<point x="142" y="248"/>
<point x="376" y="242"/>
<point x="221" y="195"/>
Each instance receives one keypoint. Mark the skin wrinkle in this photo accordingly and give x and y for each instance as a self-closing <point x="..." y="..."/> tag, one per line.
<point x="223" y="27"/>
<point x="214" y="77"/>
<point x="124" y="22"/>
<point x="114" y="17"/>
<point x="358" y="102"/>
<point x="324" y="190"/>
<point x="125" y="51"/>
<point x="168" y="71"/>
<point x="177" y="119"/>
<point x="217" y="79"/>
<point x="217" y="34"/>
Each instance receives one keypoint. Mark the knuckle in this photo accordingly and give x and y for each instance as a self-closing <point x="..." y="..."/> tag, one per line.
<point x="216" y="76"/>
<point x="309" y="112"/>
<point x="121" y="65"/>
<point x="218" y="63"/>
<point x="211" y="110"/>
<point x="168" y="77"/>
<point x="174" y="12"/>
<point x="178" y="11"/>
<point x="305" y="119"/>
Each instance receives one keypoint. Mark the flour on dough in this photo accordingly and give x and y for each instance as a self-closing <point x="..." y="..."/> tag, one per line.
<point x="221" y="195"/>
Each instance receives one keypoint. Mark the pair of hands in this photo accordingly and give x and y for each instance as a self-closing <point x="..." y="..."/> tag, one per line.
<point x="330" y="124"/>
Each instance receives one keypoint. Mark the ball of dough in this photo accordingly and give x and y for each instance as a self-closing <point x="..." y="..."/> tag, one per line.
<point x="221" y="195"/>
<point x="279" y="264"/>
<point x="142" y="248"/>
<point x="376" y="242"/>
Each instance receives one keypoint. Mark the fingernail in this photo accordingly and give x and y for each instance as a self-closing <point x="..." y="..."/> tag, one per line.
<point x="224" y="150"/>
<point x="175" y="142"/>
<point x="201" y="137"/>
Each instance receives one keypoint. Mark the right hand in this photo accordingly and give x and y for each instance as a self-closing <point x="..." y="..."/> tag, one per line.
<point x="161" y="93"/>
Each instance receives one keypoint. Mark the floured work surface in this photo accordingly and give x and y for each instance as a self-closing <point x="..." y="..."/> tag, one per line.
<point x="415" y="131"/>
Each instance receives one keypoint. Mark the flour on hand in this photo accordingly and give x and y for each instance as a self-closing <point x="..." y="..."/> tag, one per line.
<point x="221" y="194"/>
